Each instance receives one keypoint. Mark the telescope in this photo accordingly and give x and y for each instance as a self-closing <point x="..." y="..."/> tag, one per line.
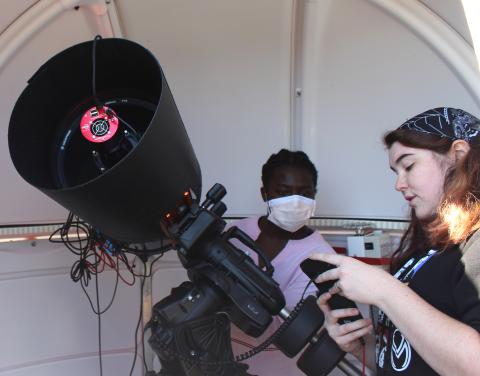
<point x="98" y="131"/>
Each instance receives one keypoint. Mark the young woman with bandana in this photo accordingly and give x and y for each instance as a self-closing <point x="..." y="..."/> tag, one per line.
<point x="429" y="318"/>
<point x="289" y="181"/>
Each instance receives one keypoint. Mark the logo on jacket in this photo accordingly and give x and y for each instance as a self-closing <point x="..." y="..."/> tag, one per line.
<point x="401" y="352"/>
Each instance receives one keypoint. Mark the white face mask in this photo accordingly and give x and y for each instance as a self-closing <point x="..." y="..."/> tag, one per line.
<point x="290" y="212"/>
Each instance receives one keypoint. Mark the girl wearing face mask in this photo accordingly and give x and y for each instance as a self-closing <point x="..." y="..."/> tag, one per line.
<point x="429" y="318"/>
<point x="289" y="185"/>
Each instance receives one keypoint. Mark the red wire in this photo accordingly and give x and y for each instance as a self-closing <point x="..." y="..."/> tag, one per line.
<point x="120" y="275"/>
<point x="90" y="266"/>
<point x="107" y="259"/>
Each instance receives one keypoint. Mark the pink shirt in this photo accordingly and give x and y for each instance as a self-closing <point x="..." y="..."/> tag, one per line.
<point x="292" y="282"/>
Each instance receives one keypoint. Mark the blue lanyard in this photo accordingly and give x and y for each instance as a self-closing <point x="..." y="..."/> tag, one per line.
<point x="415" y="268"/>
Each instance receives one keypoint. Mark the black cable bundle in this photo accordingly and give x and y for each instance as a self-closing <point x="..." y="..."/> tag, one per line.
<point x="97" y="253"/>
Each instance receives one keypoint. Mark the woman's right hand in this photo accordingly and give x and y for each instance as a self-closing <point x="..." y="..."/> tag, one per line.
<point x="346" y="335"/>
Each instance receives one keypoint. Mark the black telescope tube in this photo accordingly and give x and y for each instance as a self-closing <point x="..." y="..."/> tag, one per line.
<point x="127" y="201"/>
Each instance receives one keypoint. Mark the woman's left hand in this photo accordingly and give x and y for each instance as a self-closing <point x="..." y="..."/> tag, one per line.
<point x="356" y="280"/>
<point x="347" y="335"/>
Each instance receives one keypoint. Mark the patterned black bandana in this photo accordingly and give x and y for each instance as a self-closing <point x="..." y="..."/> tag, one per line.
<point x="446" y="122"/>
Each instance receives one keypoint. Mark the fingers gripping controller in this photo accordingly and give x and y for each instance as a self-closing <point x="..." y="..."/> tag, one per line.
<point x="313" y="268"/>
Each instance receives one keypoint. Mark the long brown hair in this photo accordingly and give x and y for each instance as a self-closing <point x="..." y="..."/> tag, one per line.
<point x="458" y="215"/>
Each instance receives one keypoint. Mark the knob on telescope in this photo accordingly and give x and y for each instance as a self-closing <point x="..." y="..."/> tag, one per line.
<point x="321" y="356"/>
<point x="214" y="195"/>
<point x="301" y="329"/>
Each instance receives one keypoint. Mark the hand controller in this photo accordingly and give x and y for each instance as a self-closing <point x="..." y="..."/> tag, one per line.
<point x="313" y="268"/>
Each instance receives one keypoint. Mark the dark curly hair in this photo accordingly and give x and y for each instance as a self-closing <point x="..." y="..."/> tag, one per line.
<point x="291" y="159"/>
